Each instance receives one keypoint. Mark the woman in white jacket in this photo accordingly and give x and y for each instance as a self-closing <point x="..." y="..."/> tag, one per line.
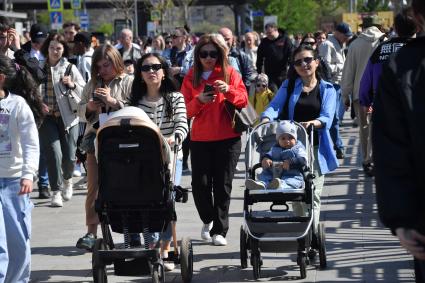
<point x="19" y="153"/>
<point x="59" y="131"/>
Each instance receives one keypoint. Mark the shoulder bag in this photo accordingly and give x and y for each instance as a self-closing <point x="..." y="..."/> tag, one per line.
<point x="73" y="100"/>
<point x="242" y="119"/>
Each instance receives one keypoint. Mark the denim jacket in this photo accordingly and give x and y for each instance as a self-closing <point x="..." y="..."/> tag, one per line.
<point x="326" y="155"/>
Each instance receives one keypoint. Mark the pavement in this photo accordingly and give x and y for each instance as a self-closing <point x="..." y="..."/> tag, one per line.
<point x="359" y="248"/>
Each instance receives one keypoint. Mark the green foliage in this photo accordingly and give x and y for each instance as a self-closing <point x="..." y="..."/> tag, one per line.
<point x="293" y="15"/>
<point x="67" y="16"/>
<point x="373" y="5"/>
<point x="106" y="28"/>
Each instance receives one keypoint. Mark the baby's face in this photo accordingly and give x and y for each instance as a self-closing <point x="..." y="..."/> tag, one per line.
<point x="286" y="141"/>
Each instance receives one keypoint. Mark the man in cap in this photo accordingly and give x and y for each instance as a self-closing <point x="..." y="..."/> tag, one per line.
<point x="84" y="53"/>
<point x="358" y="55"/>
<point x="38" y="34"/>
<point x="332" y="52"/>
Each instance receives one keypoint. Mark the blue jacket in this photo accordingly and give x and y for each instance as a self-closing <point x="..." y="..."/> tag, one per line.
<point x="326" y="155"/>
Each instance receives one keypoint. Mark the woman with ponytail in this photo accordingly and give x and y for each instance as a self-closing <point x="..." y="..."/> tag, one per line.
<point x="19" y="153"/>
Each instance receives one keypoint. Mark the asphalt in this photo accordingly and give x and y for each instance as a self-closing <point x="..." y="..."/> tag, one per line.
<point x="359" y="248"/>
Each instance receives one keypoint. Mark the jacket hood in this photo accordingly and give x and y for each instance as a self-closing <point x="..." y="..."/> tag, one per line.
<point x="371" y="34"/>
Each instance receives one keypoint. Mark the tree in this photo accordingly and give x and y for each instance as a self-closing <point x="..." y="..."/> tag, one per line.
<point x="293" y="15"/>
<point x="186" y="4"/>
<point x="124" y="6"/>
<point x="374" y="5"/>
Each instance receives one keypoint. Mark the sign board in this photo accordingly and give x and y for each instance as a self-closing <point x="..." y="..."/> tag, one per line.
<point x="269" y="19"/>
<point x="151" y="28"/>
<point x="155" y="15"/>
<point x="84" y="21"/>
<point x="54" y="5"/>
<point x="76" y="4"/>
<point x="257" y="14"/>
<point x="56" y="20"/>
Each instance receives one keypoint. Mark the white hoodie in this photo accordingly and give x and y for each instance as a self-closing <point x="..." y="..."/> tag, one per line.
<point x="19" y="147"/>
<point x="358" y="55"/>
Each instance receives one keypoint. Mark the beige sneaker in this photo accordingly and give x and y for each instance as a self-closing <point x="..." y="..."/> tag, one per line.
<point x="56" y="199"/>
<point x="275" y="184"/>
<point x="254" y="185"/>
<point x="67" y="189"/>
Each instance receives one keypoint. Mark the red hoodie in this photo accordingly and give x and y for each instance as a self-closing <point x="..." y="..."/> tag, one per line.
<point x="212" y="121"/>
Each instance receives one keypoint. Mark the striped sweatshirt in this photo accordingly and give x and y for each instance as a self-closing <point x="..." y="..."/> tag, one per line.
<point x="177" y="124"/>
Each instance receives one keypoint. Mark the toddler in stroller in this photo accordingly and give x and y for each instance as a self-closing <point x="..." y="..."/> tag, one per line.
<point x="283" y="163"/>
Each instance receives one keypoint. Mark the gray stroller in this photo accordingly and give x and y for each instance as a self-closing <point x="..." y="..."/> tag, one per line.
<point x="277" y="229"/>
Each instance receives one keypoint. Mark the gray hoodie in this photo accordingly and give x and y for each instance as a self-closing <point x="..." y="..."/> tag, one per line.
<point x="358" y="55"/>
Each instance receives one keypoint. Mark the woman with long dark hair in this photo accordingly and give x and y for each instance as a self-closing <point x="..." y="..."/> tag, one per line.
<point x="308" y="99"/>
<point x="19" y="154"/>
<point x="154" y="90"/>
<point x="214" y="145"/>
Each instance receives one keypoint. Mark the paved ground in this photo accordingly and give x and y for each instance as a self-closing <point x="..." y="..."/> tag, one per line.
<point x="359" y="248"/>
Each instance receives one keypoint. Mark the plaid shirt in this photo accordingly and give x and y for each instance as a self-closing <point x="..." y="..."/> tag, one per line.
<point x="49" y="97"/>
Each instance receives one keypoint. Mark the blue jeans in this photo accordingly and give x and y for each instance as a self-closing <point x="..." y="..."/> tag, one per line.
<point x="43" y="176"/>
<point x="334" y="130"/>
<point x="59" y="148"/>
<point x="15" y="232"/>
<point x="288" y="182"/>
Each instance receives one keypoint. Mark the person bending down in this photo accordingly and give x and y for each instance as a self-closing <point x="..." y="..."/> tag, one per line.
<point x="283" y="163"/>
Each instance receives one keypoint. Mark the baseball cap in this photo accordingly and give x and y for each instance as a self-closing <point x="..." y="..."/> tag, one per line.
<point x="345" y="29"/>
<point x="286" y="127"/>
<point x="38" y="33"/>
<point x="83" y="37"/>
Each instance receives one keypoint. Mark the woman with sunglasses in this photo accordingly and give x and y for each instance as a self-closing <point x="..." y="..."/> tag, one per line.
<point x="107" y="91"/>
<point x="215" y="146"/>
<point x="308" y="99"/>
<point x="155" y="91"/>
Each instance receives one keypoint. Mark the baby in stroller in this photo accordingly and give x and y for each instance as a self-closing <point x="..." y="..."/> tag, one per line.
<point x="282" y="164"/>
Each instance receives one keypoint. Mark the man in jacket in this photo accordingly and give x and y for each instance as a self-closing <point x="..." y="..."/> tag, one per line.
<point x="398" y="142"/>
<point x="332" y="52"/>
<point x="357" y="57"/>
<point x="244" y="63"/>
<point x="274" y="53"/>
<point x="127" y="48"/>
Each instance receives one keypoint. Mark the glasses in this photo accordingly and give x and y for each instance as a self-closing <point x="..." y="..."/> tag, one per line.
<point x="174" y="36"/>
<point x="262" y="85"/>
<point x="212" y="54"/>
<point x="309" y="42"/>
<point x="306" y="60"/>
<point x="168" y="42"/>
<point x="153" y="67"/>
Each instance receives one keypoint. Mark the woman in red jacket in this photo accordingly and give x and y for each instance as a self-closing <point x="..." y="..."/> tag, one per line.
<point x="215" y="146"/>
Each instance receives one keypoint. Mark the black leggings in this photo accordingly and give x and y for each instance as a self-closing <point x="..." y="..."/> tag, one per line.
<point x="213" y="167"/>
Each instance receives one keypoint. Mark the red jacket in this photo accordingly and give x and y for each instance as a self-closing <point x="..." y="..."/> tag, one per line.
<point x="212" y="122"/>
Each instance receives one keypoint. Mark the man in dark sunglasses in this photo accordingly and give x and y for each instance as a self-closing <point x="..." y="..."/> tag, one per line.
<point x="244" y="62"/>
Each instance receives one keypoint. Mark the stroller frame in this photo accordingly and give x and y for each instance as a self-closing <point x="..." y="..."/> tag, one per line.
<point x="275" y="230"/>
<point x="127" y="138"/>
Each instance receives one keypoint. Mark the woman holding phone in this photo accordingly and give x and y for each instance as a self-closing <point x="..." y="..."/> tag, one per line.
<point x="107" y="91"/>
<point x="215" y="146"/>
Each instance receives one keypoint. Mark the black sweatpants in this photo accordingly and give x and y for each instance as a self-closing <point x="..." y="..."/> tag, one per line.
<point x="419" y="270"/>
<point x="213" y="167"/>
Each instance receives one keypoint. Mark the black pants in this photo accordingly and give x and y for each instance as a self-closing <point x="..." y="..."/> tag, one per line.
<point x="186" y="145"/>
<point x="420" y="271"/>
<point x="213" y="167"/>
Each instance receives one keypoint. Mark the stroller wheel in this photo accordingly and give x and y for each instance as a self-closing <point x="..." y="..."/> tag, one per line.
<point x="302" y="261"/>
<point x="322" y="246"/>
<point x="243" y="249"/>
<point x="186" y="259"/>
<point x="158" y="273"/>
<point x="98" y="267"/>
<point x="256" y="264"/>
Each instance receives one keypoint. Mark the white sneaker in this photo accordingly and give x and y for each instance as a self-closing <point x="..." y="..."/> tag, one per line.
<point x="56" y="199"/>
<point x="168" y="266"/>
<point x="67" y="189"/>
<point x="205" y="232"/>
<point x="76" y="173"/>
<point x="254" y="185"/>
<point x="275" y="184"/>
<point x="219" y="240"/>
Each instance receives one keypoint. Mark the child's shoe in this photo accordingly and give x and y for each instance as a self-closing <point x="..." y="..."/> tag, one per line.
<point x="275" y="184"/>
<point x="254" y="185"/>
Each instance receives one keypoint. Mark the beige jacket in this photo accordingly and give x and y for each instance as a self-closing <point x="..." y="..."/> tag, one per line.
<point x="120" y="90"/>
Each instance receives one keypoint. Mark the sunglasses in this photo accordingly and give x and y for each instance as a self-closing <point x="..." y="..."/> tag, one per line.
<point x="306" y="60"/>
<point x="174" y="36"/>
<point x="309" y="42"/>
<point x="212" y="54"/>
<point x="168" y="42"/>
<point x="153" y="67"/>
<point x="262" y="85"/>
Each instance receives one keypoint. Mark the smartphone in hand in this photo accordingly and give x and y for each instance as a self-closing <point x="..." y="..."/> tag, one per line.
<point x="209" y="90"/>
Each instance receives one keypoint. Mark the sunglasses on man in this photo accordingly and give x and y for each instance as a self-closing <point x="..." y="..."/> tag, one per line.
<point x="153" y="67"/>
<point x="212" y="54"/>
<point x="262" y="85"/>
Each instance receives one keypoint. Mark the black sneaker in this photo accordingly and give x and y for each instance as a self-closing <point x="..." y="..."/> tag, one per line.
<point x="43" y="193"/>
<point x="368" y="169"/>
<point x="340" y="153"/>
<point x="86" y="242"/>
<point x="185" y="167"/>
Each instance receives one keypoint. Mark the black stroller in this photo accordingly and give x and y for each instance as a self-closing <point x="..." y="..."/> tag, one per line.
<point x="135" y="195"/>
<point x="276" y="229"/>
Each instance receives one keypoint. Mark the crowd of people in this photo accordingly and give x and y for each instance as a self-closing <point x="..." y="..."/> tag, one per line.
<point x="57" y="87"/>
